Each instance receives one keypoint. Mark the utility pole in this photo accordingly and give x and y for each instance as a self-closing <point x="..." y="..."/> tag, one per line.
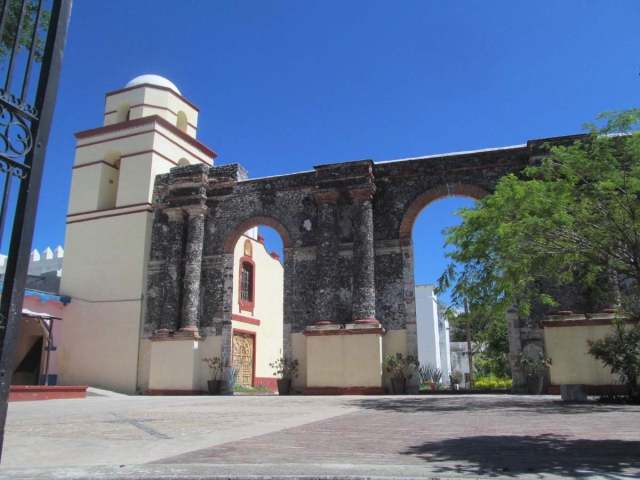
<point x="466" y="314"/>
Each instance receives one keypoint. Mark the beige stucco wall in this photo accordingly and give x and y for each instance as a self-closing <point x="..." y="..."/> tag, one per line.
<point x="104" y="258"/>
<point x="99" y="345"/>
<point x="146" y="101"/>
<point x="268" y="307"/>
<point x="344" y="360"/>
<point x="567" y="347"/>
<point x="176" y="365"/>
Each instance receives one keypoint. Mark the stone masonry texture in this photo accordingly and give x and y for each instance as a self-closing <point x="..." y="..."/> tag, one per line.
<point x="372" y="281"/>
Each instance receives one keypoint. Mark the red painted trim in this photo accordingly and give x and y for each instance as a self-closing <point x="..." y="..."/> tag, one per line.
<point x="593" y="389"/>
<point x="240" y="318"/>
<point x="352" y="331"/>
<point x="113" y="215"/>
<point x="150" y="106"/>
<point x="269" y="382"/>
<point x="107" y="209"/>
<point x="344" y="391"/>
<point x="158" y="87"/>
<point x="582" y="323"/>
<point x="94" y="163"/>
<point x="23" y="393"/>
<point x="157" y="392"/>
<point x="143" y="121"/>
<point x="247" y="305"/>
<point x="366" y="321"/>
<point x="255" y="351"/>
<point x="127" y="156"/>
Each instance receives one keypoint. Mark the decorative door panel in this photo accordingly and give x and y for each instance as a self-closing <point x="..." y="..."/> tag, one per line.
<point x="243" y="358"/>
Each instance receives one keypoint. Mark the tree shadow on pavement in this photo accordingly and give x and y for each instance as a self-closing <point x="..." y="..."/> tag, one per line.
<point x="468" y="404"/>
<point x="513" y="456"/>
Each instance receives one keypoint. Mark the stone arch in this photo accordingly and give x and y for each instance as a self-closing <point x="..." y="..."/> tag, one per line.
<point x="248" y="224"/>
<point x="181" y="121"/>
<point x="430" y="196"/>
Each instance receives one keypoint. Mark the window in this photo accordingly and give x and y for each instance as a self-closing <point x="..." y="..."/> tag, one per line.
<point x="247" y="282"/>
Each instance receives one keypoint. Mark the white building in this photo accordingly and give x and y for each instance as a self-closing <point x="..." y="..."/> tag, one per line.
<point x="433" y="331"/>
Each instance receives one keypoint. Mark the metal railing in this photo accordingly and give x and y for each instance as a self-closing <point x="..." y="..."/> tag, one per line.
<point x="32" y="40"/>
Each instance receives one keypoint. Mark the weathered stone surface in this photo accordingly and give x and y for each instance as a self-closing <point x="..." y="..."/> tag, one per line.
<point x="348" y="254"/>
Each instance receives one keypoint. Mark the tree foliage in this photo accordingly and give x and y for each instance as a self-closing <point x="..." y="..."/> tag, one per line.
<point x="574" y="216"/>
<point x="26" y="34"/>
<point x="620" y="350"/>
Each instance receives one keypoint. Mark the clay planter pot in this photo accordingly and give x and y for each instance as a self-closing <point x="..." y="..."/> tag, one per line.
<point x="433" y="385"/>
<point x="535" y="384"/>
<point x="214" y="386"/>
<point x="398" y="385"/>
<point x="284" y="387"/>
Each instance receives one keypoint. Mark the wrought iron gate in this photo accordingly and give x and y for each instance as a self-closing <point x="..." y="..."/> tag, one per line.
<point x="32" y="39"/>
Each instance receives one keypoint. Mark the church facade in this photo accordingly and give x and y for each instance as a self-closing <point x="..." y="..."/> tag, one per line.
<point x="149" y="129"/>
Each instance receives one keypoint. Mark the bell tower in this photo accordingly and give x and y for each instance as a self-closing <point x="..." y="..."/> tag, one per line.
<point x="148" y="128"/>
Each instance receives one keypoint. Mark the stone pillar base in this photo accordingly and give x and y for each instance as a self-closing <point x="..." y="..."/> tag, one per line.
<point x="345" y="358"/>
<point x="176" y="365"/>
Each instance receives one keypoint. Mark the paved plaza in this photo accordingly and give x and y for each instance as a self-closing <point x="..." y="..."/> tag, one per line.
<point x="332" y="437"/>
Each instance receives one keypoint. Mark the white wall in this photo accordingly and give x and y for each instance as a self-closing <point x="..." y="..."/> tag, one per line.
<point x="428" y="331"/>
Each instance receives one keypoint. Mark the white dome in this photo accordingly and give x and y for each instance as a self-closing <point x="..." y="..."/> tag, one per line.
<point x="152" y="80"/>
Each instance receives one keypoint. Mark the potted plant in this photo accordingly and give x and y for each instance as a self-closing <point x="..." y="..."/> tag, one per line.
<point x="400" y="369"/>
<point x="536" y="371"/>
<point x="215" y="368"/>
<point x="287" y="370"/>
<point x="456" y="378"/>
<point x="430" y="376"/>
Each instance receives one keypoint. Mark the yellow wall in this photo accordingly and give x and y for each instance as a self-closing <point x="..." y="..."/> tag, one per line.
<point x="104" y="258"/>
<point x="268" y="293"/>
<point x="567" y="347"/>
<point x="344" y="360"/>
<point x="176" y="365"/>
<point x="99" y="345"/>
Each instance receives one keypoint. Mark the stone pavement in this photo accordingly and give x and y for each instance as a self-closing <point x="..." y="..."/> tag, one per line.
<point x="334" y="437"/>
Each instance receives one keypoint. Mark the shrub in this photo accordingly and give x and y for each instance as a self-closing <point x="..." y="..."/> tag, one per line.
<point x="493" y="382"/>
<point x="620" y="350"/>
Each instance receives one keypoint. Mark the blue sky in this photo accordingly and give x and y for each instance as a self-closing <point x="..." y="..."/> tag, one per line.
<point x="285" y="85"/>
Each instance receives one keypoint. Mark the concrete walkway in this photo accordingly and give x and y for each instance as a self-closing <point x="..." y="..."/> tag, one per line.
<point x="255" y="437"/>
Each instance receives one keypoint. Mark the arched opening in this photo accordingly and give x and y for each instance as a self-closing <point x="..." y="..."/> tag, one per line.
<point x="255" y="269"/>
<point x="109" y="179"/>
<point x="123" y="112"/>
<point x="181" y="121"/>
<point x="183" y="161"/>
<point x="439" y="344"/>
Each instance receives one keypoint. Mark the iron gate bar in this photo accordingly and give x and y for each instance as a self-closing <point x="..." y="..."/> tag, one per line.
<point x="27" y="203"/>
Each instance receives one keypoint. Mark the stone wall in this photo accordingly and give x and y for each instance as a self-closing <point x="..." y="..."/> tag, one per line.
<point x="346" y="230"/>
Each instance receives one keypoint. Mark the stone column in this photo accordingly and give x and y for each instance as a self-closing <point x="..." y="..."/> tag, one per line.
<point x="192" y="271"/>
<point x="173" y="273"/>
<point x="364" y="290"/>
<point x="327" y="257"/>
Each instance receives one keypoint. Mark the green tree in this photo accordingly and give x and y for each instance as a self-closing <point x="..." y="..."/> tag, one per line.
<point x="574" y="217"/>
<point x="620" y="350"/>
<point x="26" y="34"/>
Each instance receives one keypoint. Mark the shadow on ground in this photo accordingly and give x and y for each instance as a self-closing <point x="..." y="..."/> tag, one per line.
<point x="545" y="454"/>
<point x="548" y="405"/>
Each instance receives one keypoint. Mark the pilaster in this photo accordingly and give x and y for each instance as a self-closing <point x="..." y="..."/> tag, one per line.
<point x="364" y="291"/>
